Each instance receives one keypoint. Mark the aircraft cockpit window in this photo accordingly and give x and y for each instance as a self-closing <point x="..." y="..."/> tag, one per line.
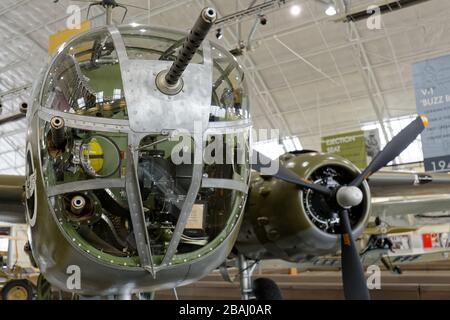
<point x="141" y="195"/>
<point x="166" y="171"/>
<point x="212" y="218"/>
<point x="163" y="185"/>
<point x="70" y="154"/>
<point x="98" y="221"/>
<point x="143" y="43"/>
<point x="84" y="172"/>
<point x="85" y="79"/>
<point x="219" y="201"/>
<point x="229" y="93"/>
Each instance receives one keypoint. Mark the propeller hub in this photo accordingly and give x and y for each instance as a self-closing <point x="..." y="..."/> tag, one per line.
<point x="348" y="197"/>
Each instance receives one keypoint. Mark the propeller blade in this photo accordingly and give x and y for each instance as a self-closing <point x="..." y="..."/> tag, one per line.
<point x="396" y="146"/>
<point x="286" y="174"/>
<point x="354" y="281"/>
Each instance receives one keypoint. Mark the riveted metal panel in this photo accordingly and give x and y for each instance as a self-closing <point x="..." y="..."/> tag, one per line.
<point x="150" y="110"/>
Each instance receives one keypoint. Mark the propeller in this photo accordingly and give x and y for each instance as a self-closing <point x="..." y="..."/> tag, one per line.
<point x="262" y="162"/>
<point x="396" y="146"/>
<point x="346" y="197"/>
<point x="355" y="287"/>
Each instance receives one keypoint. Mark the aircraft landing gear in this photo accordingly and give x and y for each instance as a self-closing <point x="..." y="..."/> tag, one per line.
<point x="259" y="289"/>
<point x="245" y="277"/>
<point x="17" y="290"/>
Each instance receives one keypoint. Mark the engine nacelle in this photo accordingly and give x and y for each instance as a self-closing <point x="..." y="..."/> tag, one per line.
<point x="284" y="222"/>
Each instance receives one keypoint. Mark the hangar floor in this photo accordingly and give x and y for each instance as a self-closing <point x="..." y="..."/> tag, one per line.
<point x="417" y="282"/>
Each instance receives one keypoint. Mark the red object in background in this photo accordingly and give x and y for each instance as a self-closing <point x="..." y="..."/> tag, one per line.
<point x="426" y="239"/>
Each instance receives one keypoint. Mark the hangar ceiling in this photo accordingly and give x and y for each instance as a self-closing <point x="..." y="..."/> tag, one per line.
<point x="308" y="74"/>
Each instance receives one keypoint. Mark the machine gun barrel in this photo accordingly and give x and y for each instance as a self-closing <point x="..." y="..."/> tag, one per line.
<point x="58" y="135"/>
<point x="170" y="82"/>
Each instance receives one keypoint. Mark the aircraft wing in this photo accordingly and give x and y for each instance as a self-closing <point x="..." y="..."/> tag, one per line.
<point x="410" y="205"/>
<point x="382" y="257"/>
<point x="12" y="206"/>
<point x="390" y="184"/>
<point x="401" y="193"/>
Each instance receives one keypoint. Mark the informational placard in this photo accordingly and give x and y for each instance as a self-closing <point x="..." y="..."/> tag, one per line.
<point x="360" y="147"/>
<point x="350" y="145"/>
<point x="432" y="86"/>
<point x="436" y="240"/>
<point x="195" y="220"/>
<point x="400" y="242"/>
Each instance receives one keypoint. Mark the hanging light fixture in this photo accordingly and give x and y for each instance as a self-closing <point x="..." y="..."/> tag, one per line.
<point x="331" y="11"/>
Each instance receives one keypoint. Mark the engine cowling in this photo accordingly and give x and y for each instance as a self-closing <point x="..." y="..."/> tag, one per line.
<point x="284" y="222"/>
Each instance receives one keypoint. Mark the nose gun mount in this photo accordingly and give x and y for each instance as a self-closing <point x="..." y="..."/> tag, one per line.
<point x="57" y="132"/>
<point x="170" y="82"/>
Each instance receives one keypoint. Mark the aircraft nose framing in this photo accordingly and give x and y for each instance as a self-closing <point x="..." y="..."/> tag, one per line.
<point x="113" y="187"/>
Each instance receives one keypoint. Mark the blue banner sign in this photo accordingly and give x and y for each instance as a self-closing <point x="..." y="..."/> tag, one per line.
<point x="432" y="86"/>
